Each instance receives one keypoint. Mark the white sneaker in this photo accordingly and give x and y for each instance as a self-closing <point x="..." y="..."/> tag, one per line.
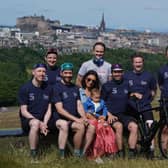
<point x="99" y="160"/>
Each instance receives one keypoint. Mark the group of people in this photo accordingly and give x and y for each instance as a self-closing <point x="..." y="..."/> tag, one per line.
<point x="98" y="109"/>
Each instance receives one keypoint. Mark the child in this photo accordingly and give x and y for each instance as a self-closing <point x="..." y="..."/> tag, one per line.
<point x="96" y="110"/>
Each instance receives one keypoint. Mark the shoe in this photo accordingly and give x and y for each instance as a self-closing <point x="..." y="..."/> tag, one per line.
<point x="34" y="161"/>
<point x="99" y="160"/>
<point x="121" y="154"/>
<point x="132" y="153"/>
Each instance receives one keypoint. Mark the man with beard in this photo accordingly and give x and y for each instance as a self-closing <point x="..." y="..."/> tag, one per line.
<point x="69" y="110"/>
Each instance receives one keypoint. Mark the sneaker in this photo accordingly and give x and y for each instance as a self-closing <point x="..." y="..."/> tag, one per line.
<point x="121" y="154"/>
<point x="99" y="160"/>
<point x="132" y="154"/>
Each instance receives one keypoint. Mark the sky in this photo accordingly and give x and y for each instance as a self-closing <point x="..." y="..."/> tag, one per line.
<point x="128" y="14"/>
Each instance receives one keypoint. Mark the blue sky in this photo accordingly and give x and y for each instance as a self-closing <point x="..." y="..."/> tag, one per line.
<point x="131" y="14"/>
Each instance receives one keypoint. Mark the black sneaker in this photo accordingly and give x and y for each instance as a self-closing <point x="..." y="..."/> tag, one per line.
<point x="132" y="154"/>
<point x="121" y="154"/>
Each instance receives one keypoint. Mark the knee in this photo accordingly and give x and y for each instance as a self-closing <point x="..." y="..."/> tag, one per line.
<point x="133" y="127"/>
<point x="91" y="130"/>
<point x="63" y="126"/>
<point x="118" y="127"/>
<point x="34" y="124"/>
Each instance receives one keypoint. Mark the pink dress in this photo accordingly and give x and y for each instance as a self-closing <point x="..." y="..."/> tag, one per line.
<point x="105" y="139"/>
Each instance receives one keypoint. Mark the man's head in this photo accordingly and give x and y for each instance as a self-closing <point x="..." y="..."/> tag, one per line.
<point x="99" y="49"/>
<point x="39" y="72"/>
<point x="67" y="72"/>
<point x="51" y="57"/>
<point x="117" y="72"/>
<point x="137" y="62"/>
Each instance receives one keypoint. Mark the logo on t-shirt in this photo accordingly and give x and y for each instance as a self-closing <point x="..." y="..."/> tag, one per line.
<point x="45" y="97"/>
<point x="165" y="75"/>
<point x="130" y="82"/>
<point x="143" y="82"/>
<point x="65" y="95"/>
<point x="114" y="90"/>
<point x="31" y="96"/>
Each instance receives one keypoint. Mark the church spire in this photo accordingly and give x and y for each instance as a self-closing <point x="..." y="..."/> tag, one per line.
<point x="102" y="24"/>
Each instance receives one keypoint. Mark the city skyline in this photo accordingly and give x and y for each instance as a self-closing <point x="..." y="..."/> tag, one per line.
<point x="130" y="14"/>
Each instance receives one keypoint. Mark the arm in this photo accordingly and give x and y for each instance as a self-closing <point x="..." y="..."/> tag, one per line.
<point x="63" y="112"/>
<point x="78" y="80"/>
<point x="43" y="125"/>
<point x="81" y="109"/>
<point x="25" y="113"/>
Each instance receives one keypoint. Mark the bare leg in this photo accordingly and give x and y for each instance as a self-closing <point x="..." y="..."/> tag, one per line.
<point x="79" y="130"/>
<point x="62" y="125"/>
<point x="133" y="135"/>
<point x="119" y="134"/>
<point x="90" y="134"/>
<point x="34" y="133"/>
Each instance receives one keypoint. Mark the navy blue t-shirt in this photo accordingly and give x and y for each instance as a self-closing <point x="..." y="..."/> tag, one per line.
<point x="142" y="83"/>
<point x="115" y="96"/>
<point x="53" y="75"/>
<point x="68" y="95"/>
<point x="163" y="80"/>
<point x="37" y="99"/>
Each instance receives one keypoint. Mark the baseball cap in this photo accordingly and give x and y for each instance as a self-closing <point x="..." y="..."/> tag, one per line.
<point x="40" y="65"/>
<point x="116" y="67"/>
<point x="66" y="66"/>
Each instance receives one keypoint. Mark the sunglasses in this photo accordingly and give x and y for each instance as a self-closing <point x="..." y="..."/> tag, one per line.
<point x="90" y="80"/>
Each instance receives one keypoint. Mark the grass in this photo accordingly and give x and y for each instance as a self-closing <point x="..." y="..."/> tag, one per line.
<point x="14" y="151"/>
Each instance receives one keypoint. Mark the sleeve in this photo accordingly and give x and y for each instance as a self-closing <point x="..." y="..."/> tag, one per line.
<point x="105" y="111"/>
<point x="82" y="69"/>
<point x="23" y="96"/>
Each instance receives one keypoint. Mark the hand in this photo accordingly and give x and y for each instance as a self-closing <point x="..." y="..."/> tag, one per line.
<point x="137" y="95"/>
<point x="90" y="116"/>
<point x="43" y="128"/>
<point x="111" y="118"/>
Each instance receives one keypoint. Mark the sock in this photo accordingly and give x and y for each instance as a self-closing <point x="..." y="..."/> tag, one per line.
<point x="33" y="152"/>
<point x="62" y="152"/>
<point x="77" y="152"/>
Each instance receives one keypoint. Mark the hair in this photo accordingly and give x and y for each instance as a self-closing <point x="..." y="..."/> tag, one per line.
<point x="136" y="55"/>
<point x="90" y="72"/>
<point x="95" y="91"/>
<point x="51" y="51"/>
<point x="99" y="43"/>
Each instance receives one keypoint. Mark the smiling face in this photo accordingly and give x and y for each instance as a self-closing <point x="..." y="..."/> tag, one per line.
<point x="90" y="81"/>
<point x="98" y="51"/>
<point x="67" y="76"/>
<point x="39" y="74"/>
<point x="117" y="74"/>
<point x="51" y="59"/>
<point x="138" y="64"/>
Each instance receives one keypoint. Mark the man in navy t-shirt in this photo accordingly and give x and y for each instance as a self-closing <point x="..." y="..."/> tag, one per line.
<point x="53" y="71"/>
<point x="144" y="85"/>
<point x="35" y="108"/>
<point x="69" y="110"/>
<point x="115" y="94"/>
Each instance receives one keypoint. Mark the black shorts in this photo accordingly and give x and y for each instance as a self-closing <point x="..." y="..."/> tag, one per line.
<point x="147" y="115"/>
<point x="26" y="127"/>
<point x="125" y="119"/>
